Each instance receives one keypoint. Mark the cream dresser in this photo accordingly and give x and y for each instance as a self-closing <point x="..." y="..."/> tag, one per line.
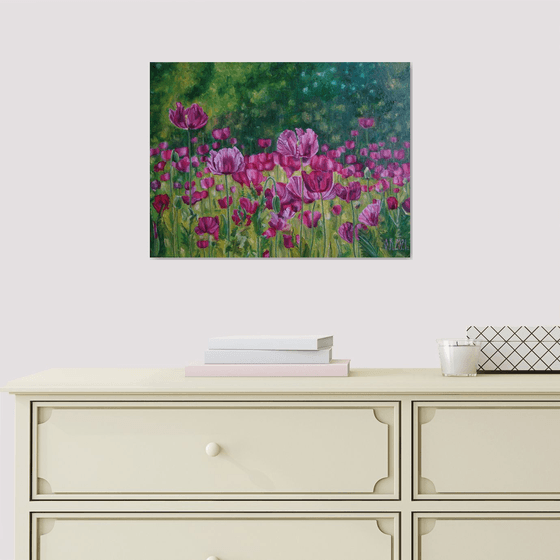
<point x="145" y="464"/>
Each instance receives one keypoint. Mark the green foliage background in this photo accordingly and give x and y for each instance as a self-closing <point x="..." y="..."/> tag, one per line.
<point x="260" y="100"/>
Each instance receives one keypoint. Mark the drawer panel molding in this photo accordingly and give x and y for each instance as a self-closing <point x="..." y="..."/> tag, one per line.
<point x="105" y="450"/>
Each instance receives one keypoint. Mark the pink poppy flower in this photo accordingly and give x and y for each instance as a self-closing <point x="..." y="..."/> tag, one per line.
<point x="407" y="144"/>
<point x="220" y="133"/>
<point x="182" y="152"/>
<point x="288" y="242"/>
<point x="182" y="165"/>
<point x="207" y="183"/>
<point x="248" y="206"/>
<point x="398" y="181"/>
<point x="220" y="187"/>
<point x="353" y="133"/>
<point x="350" y="144"/>
<point x="209" y="225"/>
<point x="202" y="244"/>
<point x="348" y="171"/>
<point x="364" y="152"/>
<point x="318" y="181"/>
<point x="366" y="123"/>
<point x="266" y="254"/>
<point x="352" y="192"/>
<point x="154" y="151"/>
<point x="255" y="176"/>
<point x="155" y="185"/>
<point x="406" y="205"/>
<point x="163" y="145"/>
<point x="216" y="146"/>
<point x="199" y="174"/>
<point x="346" y="230"/>
<point x="325" y="148"/>
<point x="161" y="203"/>
<point x="382" y="185"/>
<point x="396" y="190"/>
<point x="222" y="202"/>
<point x="196" y="196"/>
<point x="202" y="150"/>
<point x="233" y="141"/>
<point x="194" y="140"/>
<point x="341" y="149"/>
<point x="370" y="214"/>
<point x="386" y="154"/>
<point x="160" y="166"/>
<point x="321" y="163"/>
<point x="392" y="203"/>
<point x="226" y="162"/>
<point x="373" y="147"/>
<point x="303" y="146"/>
<point x="393" y="139"/>
<point x="165" y="177"/>
<point x="166" y="155"/>
<point x="177" y="185"/>
<point x="192" y="118"/>
<point x="264" y="142"/>
<point x="350" y="159"/>
<point x="238" y="219"/>
<point x="337" y="209"/>
<point x="333" y="154"/>
<point x="307" y="219"/>
<point x="241" y="178"/>
<point x="399" y="154"/>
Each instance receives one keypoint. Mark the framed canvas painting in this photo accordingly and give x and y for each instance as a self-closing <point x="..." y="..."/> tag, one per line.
<point x="280" y="160"/>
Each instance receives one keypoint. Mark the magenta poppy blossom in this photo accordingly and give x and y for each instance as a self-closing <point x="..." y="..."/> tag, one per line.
<point x="222" y="202"/>
<point x="398" y="181"/>
<point x="161" y="203"/>
<point x="333" y="154"/>
<point x="207" y="183"/>
<point x="350" y="159"/>
<point x="406" y="205"/>
<point x="399" y="154"/>
<point x="345" y="231"/>
<point x="382" y="185"/>
<point x="233" y="141"/>
<point x="350" y="144"/>
<point x="364" y="152"/>
<point x="288" y="241"/>
<point x="370" y="214"/>
<point x="216" y="146"/>
<point x="165" y="177"/>
<point x="154" y="151"/>
<point x="248" y="206"/>
<point x="304" y="145"/>
<point x="221" y="133"/>
<point x="192" y="118"/>
<point x="155" y="185"/>
<point x="195" y="162"/>
<point x="392" y="203"/>
<point x="393" y="139"/>
<point x="353" y="133"/>
<point x="195" y="197"/>
<point x="166" y="155"/>
<point x="307" y="219"/>
<point x="182" y="152"/>
<point x="381" y="144"/>
<point x="406" y="144"/>
<point x="226" y="162"/>
<point x="275" y="223"/>
<point x="203" y="150"/>
<point x="348" y="171"/>
<point x="163" y="145"/>
<point x="266" y="254"/>
<point x="337" y="209"/>
<point x="396" y="190"/>
<point x="366" y="122"/>
<point x="318" y="181"/>
<point x="352" y="192"/>
<point x="341" y="149"/>
<point x="160" y="166"/>
<point x="264" y="142"/>
<point x="202" y="243"/>
<point x="194" y="140"/>
<point x="386" y="154"/>
<point x="177" y="185"/>
<point x="238" y="219"/>
<point x="182" y="165"/>
<point x="255" y="176"/>
<point x="325" y="148"/>
<point x="321" y="163"/>
<point x="241" y="178"/>
<point x="209" y="225"/>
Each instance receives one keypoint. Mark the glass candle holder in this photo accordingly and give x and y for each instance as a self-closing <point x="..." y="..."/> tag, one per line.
<point x="459" y="356"/>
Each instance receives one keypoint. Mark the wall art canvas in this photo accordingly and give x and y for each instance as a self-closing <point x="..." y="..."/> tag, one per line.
<point x="280" y="160"/>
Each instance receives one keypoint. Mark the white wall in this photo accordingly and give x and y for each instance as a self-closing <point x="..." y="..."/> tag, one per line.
<point x="78" y="287"/>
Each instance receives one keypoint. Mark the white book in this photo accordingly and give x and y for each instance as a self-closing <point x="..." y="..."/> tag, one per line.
<point x="267" y="342"/>
<point x="323" y="356"/>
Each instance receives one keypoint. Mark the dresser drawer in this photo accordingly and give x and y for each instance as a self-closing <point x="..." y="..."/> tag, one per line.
<point x="482" y="450"/>
<point x="488" y="536"/>
<point x="226" y="537"/>
<point x="275" y="450"/>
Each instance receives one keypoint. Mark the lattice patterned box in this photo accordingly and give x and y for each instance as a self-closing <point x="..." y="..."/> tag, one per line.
<point x="510" y="349"/>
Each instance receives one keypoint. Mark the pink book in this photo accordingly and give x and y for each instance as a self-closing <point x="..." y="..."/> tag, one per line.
<point x="337" y="368"/>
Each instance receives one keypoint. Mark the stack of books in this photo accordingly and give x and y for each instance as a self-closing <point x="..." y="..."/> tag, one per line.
<point x="269" y="356"/>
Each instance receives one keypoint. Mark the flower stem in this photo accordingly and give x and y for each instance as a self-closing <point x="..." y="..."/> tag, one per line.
<point x="301" y="221"/>
<point x="227" y="210"/>
<point x="312" y="233"/>
<point x="353" y="229"/>
<point x="324" y="227"/>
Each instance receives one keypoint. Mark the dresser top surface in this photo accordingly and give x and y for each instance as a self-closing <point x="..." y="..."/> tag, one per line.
<point x="374" y="381"/>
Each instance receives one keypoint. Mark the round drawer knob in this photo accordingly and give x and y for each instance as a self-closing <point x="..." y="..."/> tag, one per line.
<point x="212" y="558"/>
<point x="212" y="449"/>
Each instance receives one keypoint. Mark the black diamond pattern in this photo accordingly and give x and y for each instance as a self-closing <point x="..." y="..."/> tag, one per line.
<point x="521" y="349"/>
